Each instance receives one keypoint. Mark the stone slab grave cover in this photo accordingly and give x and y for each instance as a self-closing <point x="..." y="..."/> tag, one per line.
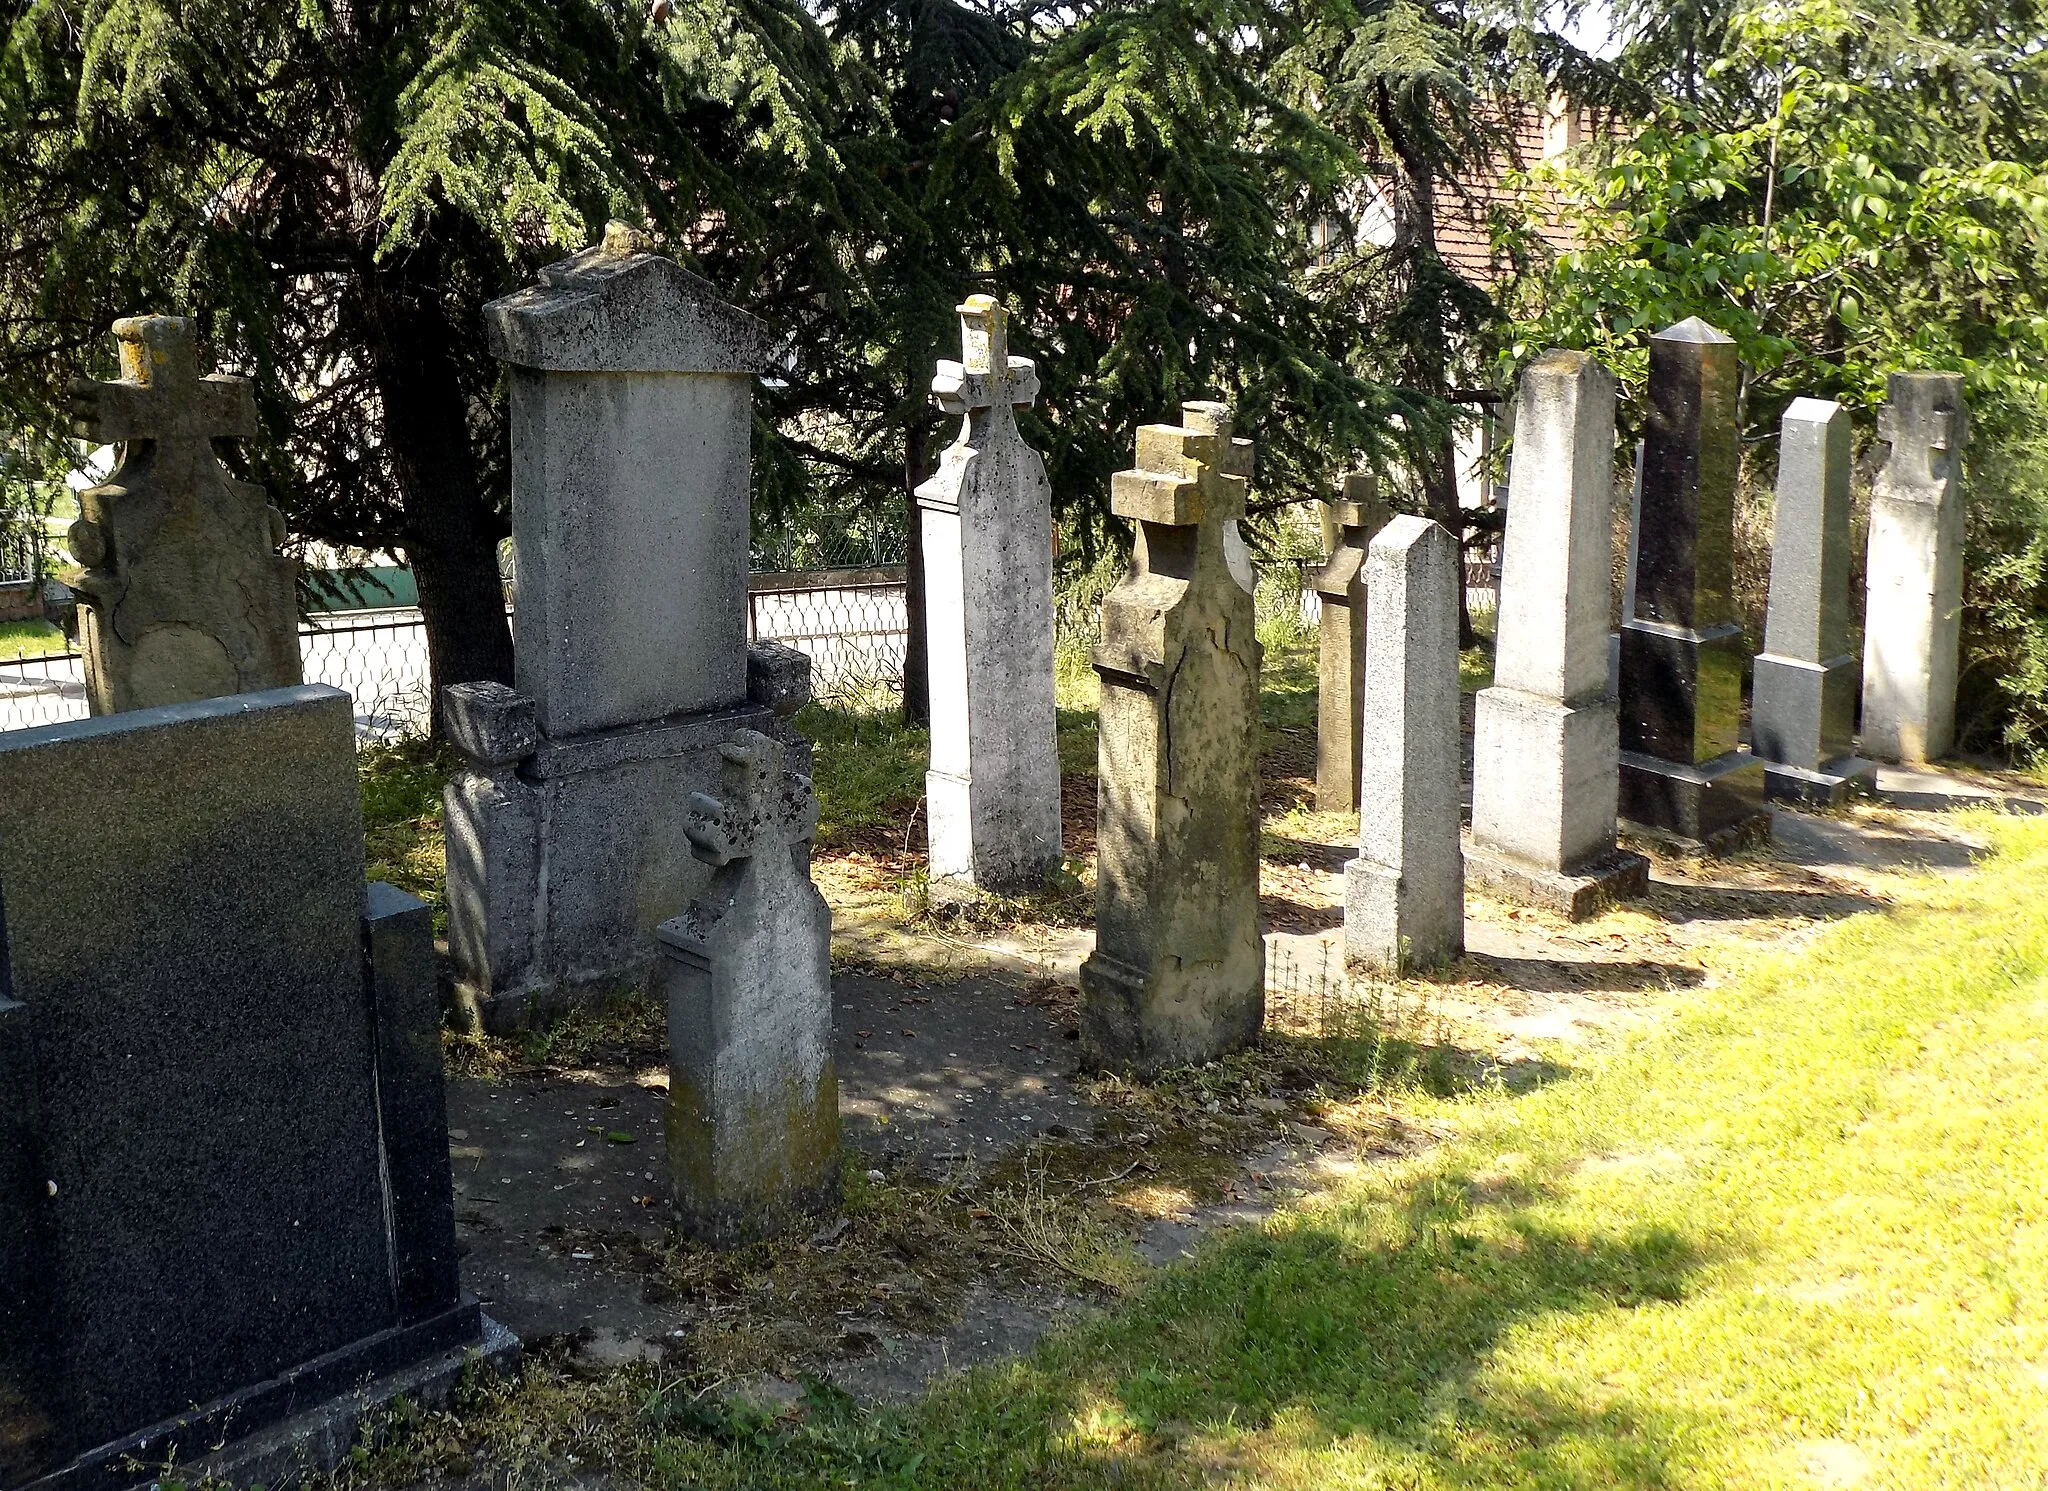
<point x="1546" y="748"/>
<point x="1404" y="895"/>
<point x="1178" y="971"/>
<point x="1913" y="616"/>
<point x="1340" y="677"/>
<point x="632" y="399"/>
<point x="992" y="795"/>
<point x="224" y="1186"/>
<point x="184" y="594"/>
<point x="1682" y="772"/>
<point x="753" y="1097"/>
<point x="1803" y="703"/>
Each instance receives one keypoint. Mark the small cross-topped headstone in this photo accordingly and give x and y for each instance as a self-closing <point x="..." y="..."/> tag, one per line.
<point x="993" y="791"/>
<point x="184" y="594"/>
<point x="1912" y="628"/>
<point x="1360" y="513"/>
<point x="1178" y="971"/>
<point x="753" y="1096"/>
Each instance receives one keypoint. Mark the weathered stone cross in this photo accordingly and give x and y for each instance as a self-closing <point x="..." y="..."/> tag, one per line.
<point x="986" y="377"/>
<point x="1190" y="474"/>
<point x="161" y="395"/>
<point x="759" y="807"/>
<point x="1930" y="435"/>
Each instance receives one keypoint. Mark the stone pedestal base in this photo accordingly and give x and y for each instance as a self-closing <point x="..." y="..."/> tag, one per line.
<point x="1716" y="805"/>
<point x="304" y="1422"/>
<point x="1138" y="1023"/>
<point x="1390" y="928"/>
<point x="1008" y="845"/>
<point x="1832" y="785"/>
<point x="1583" y="891"/>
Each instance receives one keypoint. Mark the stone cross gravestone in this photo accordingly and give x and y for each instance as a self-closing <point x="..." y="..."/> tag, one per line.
<point x="184" y="594"/>
<point x="224" y="1186"/>
<point x="632" y="422"/>
<point x="1546" y="748"/>
<point x="1912" y="626"/>
<point x="1803" y="702"/>
<point x="753" y="1096"/>
<point x="1178" y="971"/>
<point x="1682" y="771"/>
<point x="1340" y="675"/>
<point x="1404" y="895"/>
<point x="992" y="795"/>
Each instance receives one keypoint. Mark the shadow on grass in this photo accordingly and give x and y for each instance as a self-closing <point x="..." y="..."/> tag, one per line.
<point x="1363" y="1337"/>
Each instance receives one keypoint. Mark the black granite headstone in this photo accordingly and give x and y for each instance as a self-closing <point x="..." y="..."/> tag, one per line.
<point x="1681" y="647"/>
<point x="224" y="1190"/>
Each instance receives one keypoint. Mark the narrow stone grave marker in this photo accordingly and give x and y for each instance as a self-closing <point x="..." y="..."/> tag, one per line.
<point x="993" y="792"/>
<point x="184" y="594"/>
<point x="1803" y="702"/>
<point x="1912" y="626"/>
<point x="753" y="1097"/>
<point x="1178" y="971"/>
<point x="1340" y="678"/>
<point x="1682" y="770"/>
<point x="1545" y="743"/>
<point x="224" y="1187"/>
<point x="632" y="423"/>
<point x="1404" y="896"/>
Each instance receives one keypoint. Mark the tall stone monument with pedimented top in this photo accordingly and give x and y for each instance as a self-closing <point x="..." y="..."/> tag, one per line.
<point x="632" y="421"/>
<point x="753" y="1095"/>
<point x="992" y="795"/>
<point x="1912" y="628"/>
<point x="1682" y="770"/>
<point x="1545" y="740"/>
<point x="184" y="595"/>
<point x="1803" y="704"/>
<point x="1178" y="971"/>
<point x="1340" y="679"/>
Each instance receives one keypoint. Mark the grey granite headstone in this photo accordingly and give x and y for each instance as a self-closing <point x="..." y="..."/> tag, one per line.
<point x="992" y="796"/>
<point x="753" y="1096"/>
<point x="1682" y="772"/>
<point x="1912" y="627"/>
<point x="184" y="594"/>
<point x="1404" y="896"/>
<point x="1340" y="677"/>
<point x="1545" y="745"/>
<point x="226" y="1176"/>
<point x="632" y="390"/>
<point x="1178" y="971"/>
<point x="1803" y="703"/>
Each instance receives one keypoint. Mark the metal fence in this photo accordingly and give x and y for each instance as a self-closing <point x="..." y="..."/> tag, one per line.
<point x="851" y="623"/>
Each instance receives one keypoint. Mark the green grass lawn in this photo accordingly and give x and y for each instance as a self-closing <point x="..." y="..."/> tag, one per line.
<point x="1795" y="1236"/>
<point x="27" y="638"/>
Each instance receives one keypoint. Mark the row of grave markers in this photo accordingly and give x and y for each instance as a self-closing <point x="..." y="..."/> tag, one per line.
<point x="224" y="1193"/>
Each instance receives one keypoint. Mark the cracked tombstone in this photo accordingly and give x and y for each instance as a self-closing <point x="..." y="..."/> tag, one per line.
<point x="1546" y="747"/>
<point x="1913" y="615"/>
<point x="1682" y="652"/>
<point x="184" y="595"/>
<point x="632" y="427"/>
<point x="1178" y="971"/>
<point x="753" y="1098"/>
<point x="1404" y="895"/>
<point x="993" y="791"/>
<point x="1340" y="678"/>
<point x="1803" y="703"/>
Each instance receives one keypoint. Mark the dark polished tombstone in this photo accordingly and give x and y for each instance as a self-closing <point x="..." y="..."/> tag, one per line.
<point x="224" y="1188"/>
<point x="1803" y="704"/>
<point x="1682" y="772"/>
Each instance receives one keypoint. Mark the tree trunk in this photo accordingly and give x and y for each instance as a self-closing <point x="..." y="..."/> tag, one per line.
<point x="917" y="701"/>
<point x="449" y="532"/>
<point x="1440" y="495"/>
